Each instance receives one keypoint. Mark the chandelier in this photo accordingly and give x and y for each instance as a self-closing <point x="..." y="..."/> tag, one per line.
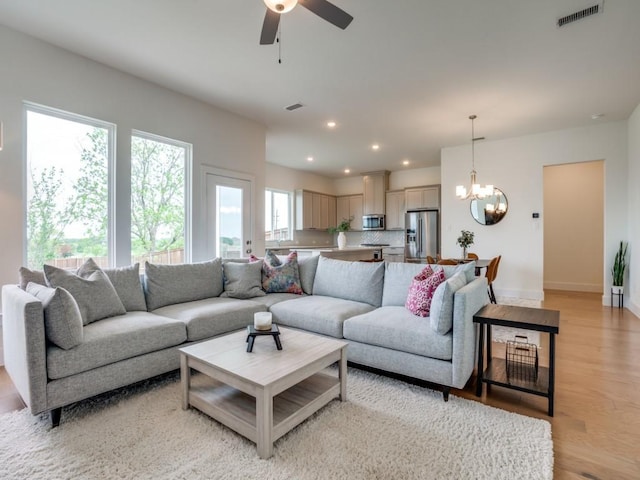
<point x="475" y="190"/>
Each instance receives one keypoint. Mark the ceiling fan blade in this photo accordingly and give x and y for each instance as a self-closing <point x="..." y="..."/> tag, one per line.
<point x="328" y="11"/>
<point x="269" y="28"/>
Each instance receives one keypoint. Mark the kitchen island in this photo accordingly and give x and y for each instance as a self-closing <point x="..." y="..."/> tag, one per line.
<point x="351" y="254"/>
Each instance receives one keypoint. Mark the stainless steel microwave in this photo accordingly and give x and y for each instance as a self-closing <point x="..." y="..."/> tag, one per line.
<point x="373" y="222"/>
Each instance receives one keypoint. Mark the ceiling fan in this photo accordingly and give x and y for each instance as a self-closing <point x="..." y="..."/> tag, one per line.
<point x="322" y="8"/>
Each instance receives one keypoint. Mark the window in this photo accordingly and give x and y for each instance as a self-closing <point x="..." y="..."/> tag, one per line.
<point x="69" y="162"/>
<point x="277" y="222"/>
<point x="159" y="169"/>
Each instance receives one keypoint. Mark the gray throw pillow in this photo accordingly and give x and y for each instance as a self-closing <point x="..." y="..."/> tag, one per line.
<point x="441" y="315"/>
<point x="126" y="281"/>
<point x="186" y="282"/>
<point x="95" y="295"/>
<point x="62" y="319"/>
<point x="243" y="280"/>
<point x="35" y="276"/>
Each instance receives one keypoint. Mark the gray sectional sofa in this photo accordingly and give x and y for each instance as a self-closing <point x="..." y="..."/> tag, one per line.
<point x="173" y="306"/>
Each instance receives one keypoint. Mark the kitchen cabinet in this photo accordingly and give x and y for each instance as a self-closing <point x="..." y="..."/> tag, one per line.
<point x="314" y="211"/>
<point x="422" y="197"/>
<point x="393" y="254"/>
<point x="349" y="206"/>
<point x="395" y="210"/>
<point x="375" y="188"/>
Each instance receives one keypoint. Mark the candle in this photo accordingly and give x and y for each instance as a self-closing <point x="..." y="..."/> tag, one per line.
<point x="262" y="320"/>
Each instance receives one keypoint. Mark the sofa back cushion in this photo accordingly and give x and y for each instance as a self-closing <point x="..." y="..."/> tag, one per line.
<point x="92" y="290"/>
<point x="397" y="280"/>
<point x="307" y="268"/>
<point x="171" y="284"/>
<point x="357" y="281"/>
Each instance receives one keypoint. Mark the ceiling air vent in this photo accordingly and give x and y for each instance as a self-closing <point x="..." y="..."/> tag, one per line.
<point x="293" y="107"/>
<point x="587" y="12"/>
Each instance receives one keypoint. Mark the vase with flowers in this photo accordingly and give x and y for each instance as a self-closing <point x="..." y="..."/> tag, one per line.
<point x="465" y="240"/>
<point x="343" y="226"/>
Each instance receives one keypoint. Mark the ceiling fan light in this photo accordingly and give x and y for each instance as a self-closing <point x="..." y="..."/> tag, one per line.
<point x="280" y="6"/>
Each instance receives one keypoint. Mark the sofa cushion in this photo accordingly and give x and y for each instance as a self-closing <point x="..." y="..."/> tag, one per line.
<point x="271" y="299"/>
<point x="397" y="279"/>
<point x="212" y="316"/>
<point x="317" y="313"/>
<point x="243" y="280"/>
<point x="307" y="268"/>
<point x="114" y="339"/>
<point x="441" y="318"/>
<point x="126" y="281"/>
<point x="94" y="293"/>
<point x="469" y="270"/>
<point x="34" y="276"/>
<point x="397" y="328"/>
<point x="281" y="276"/>
<point x="357" y="281"/>
<point x="170" y="284"/>
<point x="62" y="319"/>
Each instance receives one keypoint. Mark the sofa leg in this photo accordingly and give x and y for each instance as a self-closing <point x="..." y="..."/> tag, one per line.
<point x="55" y="415"/>
<point x="445" y="393"/>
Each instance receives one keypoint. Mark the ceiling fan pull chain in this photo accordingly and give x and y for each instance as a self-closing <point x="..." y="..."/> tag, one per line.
<point x="279" y="43"/>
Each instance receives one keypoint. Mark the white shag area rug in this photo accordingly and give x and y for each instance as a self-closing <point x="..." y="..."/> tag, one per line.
<point x="387" y="429"/>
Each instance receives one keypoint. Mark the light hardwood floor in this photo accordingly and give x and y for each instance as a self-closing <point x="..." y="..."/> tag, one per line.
<point x="596" y="427"/>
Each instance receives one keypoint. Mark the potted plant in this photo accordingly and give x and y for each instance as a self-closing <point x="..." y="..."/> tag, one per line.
<point x="464" y="240"/>
<point x="619" y="266"/>
<point x="343" y="226"/>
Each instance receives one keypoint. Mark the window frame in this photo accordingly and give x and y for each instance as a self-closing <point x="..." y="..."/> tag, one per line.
<point x="187" y="187"/>
<point x="111" y="169"/>
<point x="290" y="226"/>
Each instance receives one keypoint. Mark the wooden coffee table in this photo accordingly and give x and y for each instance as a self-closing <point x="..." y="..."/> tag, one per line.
<point x="265" y="393"/>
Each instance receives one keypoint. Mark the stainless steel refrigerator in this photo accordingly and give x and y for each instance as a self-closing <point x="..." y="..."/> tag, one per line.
<point x="421" y="235"/>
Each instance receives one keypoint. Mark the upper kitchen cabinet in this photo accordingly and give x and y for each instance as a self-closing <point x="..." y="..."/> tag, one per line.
<point x="350" y="206"/>
<point x="375" y="189"/>
<point x="314" y="211"/>
<point x="422" y="197"/>
<point x="395" y="210"/>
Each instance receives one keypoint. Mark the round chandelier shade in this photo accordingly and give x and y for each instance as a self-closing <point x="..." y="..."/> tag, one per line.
<point x="280" y="6"/>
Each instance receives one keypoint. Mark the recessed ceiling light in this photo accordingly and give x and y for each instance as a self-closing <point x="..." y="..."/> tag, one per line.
<point x="375" y="146"/>
<point x="309" y="159"/>
<point x="346" y="170"/>
<point x="331" y="124"/>
<point x="596" y="116"/>
<point x="405" y="162"/>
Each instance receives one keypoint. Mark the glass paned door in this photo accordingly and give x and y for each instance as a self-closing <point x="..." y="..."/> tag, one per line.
<point x="229" y="217"/>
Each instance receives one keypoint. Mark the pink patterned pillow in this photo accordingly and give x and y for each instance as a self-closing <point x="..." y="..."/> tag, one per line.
<point x="279" y="277"/>
<point x="421" y="291"/>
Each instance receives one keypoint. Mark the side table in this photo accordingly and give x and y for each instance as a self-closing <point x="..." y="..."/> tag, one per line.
<point x="536" y="319"/>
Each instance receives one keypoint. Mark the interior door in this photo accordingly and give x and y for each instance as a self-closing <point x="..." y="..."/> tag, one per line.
<point x="229" y="216"/>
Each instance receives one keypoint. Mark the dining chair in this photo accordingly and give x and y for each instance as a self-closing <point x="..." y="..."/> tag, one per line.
<point x="473" y="256"/>
<point x="447" y="261"/>
<point x="431" y="260"/>
<point x="492" y="273"/>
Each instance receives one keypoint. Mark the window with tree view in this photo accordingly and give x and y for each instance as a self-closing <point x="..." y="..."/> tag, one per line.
<point x="277" y="216"/>
<point x="68" y="162"/>
<point x="158" y="167"/>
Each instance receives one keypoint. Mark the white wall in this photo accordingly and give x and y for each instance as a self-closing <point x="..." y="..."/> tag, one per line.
<point x="41" y="73"/>
<point x="632" y="300"/>
<point x="289" y="179"/>
<point x="515" y="166"/>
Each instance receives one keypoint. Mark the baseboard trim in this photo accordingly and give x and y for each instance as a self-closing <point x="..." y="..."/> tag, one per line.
<point x="574" y="287"/>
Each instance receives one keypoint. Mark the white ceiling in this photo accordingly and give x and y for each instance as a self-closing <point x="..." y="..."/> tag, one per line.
<point x="405" y="74"/>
